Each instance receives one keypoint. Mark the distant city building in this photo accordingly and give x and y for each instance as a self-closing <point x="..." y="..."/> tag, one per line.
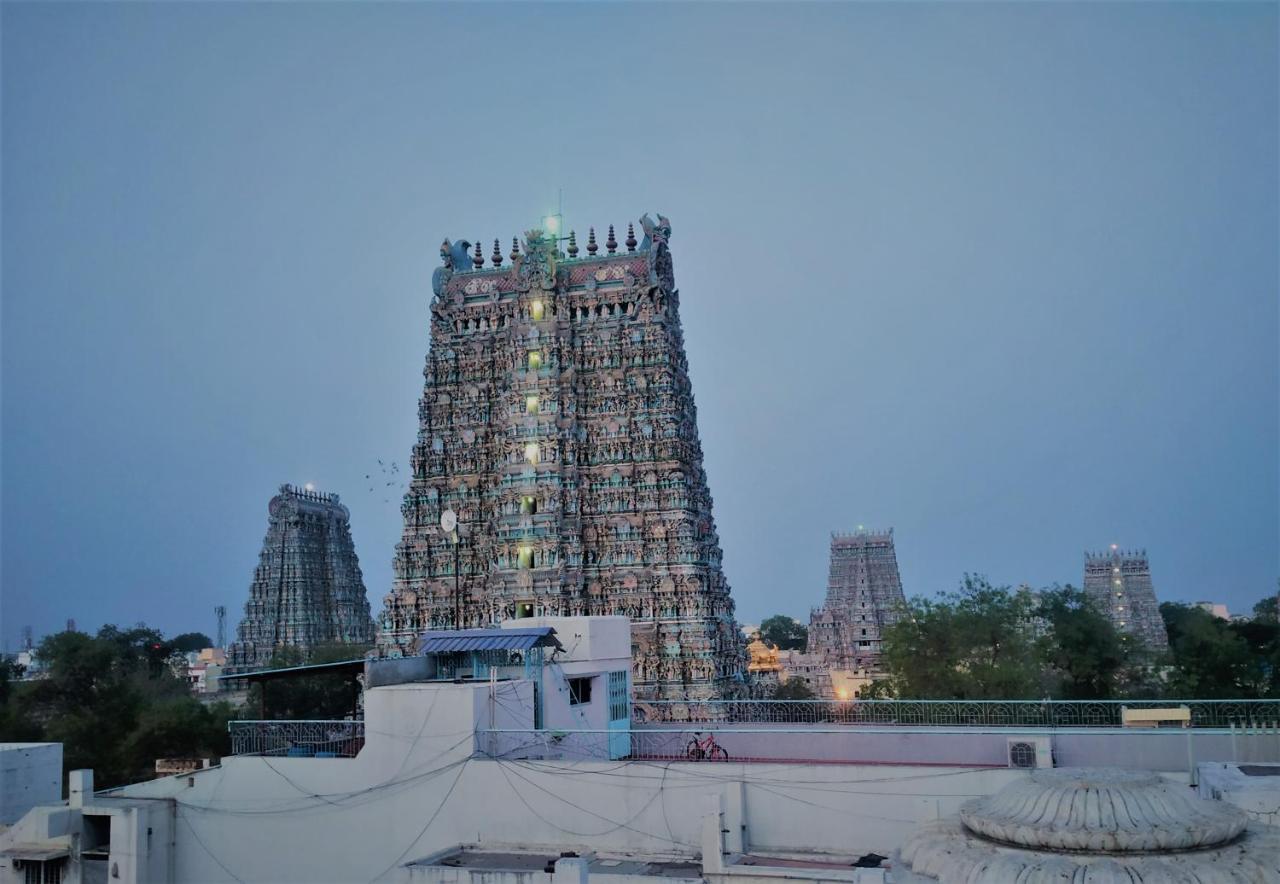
<point x="1119" y="583"/>
<point x="307" y="589"/>
<point x="864" y="592"/>
<point x="203" y="669"/>
<point x="558" y="426"/>
<point x="1217" y="610"/>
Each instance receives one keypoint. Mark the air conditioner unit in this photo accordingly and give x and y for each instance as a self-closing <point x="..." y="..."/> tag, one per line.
<point x="1029" y="753"/>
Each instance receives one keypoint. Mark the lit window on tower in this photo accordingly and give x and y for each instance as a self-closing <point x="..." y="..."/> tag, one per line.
<point x="531" y="404"/>
<point x="531" y="453"/>
<point x="526" y="557"/>
<point x="536" y="311"/>
<point x="535" y="360"/>
<point x="528" y="505"/>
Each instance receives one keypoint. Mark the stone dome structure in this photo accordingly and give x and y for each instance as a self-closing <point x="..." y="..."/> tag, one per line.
<point x="1093" y="826"/>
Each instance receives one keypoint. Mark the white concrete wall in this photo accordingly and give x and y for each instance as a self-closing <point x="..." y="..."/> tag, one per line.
<point x="30" y="774"/>
<point x="593" y="646"/>
<point x="415" y="789"/>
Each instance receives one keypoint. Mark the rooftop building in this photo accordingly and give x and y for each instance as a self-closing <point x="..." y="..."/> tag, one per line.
<point x="510" y="754"/>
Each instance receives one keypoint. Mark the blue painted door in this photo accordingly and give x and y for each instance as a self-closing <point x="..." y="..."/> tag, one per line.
<point x="619" y="714"/>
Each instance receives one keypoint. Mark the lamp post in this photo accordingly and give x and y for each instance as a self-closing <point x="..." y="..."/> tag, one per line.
<point x="449" y="523"/>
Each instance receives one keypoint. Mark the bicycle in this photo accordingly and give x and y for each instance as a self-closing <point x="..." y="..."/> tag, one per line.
<point x="705" y="749"/>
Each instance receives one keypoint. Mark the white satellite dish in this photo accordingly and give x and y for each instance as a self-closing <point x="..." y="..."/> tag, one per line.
<point x="448" y="520"/>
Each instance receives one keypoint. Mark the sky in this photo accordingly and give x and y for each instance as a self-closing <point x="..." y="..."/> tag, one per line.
<point x="1000" y="277"/>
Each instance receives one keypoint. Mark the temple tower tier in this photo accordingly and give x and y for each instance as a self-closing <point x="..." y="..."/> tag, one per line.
<point x="307" y="589"/>
<point x="1119" y="584"/>
<point x="557" y="425"/>
<point x="864" y="595"/>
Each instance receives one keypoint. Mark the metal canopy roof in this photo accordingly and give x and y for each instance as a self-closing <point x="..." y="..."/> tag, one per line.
<point x="37" y="851"/>
<point x="522" y="639"/>
<point x="353" y="667"/>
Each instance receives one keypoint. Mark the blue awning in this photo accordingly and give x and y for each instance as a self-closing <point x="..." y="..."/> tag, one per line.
<point x="453" y="641"/>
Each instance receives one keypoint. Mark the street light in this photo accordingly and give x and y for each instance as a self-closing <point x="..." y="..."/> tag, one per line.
<point x="449" y="523"/>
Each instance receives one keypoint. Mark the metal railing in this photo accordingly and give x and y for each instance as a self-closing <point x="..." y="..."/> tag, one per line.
<point x="600" y="745"/>
<point x="297" y="739"/>
<point x="1143" y="748"/>
<point x="948" y="713"/>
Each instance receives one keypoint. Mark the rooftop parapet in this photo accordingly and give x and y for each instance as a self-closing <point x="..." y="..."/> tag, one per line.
<point x="1114" y="553"/>
<point x="542" y="251"/>
<point x="307" y="494"/>
<point x="861" y="536"/>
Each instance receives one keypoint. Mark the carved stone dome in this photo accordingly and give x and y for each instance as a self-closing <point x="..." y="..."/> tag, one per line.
<point x="1093" y="826"/>
<point x="1103" y="811"/>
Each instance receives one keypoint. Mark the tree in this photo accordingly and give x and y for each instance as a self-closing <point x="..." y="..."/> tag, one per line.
<point x="972" y="644"/>
<point x="113" y="703"/>
<point x="1210" y="660"/>
<point x="792" y="689"/>
<point x="1265" y="610"/>
<point x="190" y="641"/>
<point x="785" y="633"/>
<point x="1083" y="655"/>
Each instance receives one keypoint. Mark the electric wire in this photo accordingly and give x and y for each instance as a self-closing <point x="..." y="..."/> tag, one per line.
<point x="443" y="801"/>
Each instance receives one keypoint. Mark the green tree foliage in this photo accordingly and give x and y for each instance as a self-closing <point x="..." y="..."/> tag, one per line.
<point x="792" y="689"/>
<point x="785" y="633"/>
<point x="190" y="641"/>
<point x="977" y="643"/>
<point x="1265" y="610"/>
<point x="114" y="703"/>
<point x="1210" y="658"/>
<point x="321" y="696"/>
<point x="986" y="642"/>
<point x="1082" y="655"/>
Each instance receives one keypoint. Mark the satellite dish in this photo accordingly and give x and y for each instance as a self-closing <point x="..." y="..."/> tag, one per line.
<point x="448" y="520"/>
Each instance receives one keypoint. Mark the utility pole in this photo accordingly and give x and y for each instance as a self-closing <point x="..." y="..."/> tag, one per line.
<point x="457" y="586"/>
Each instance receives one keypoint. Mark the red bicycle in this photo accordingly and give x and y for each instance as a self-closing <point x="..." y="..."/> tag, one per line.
<point x="705" y="749"/>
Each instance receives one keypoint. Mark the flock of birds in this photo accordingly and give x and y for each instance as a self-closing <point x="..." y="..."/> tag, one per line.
<point x="384" y="477"/>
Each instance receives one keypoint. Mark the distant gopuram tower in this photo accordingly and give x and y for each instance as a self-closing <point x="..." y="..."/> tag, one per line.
<point x="307" y="589"/>
<point x="863" y="595"/>
<point x="558" y="425"/>
<point x="1119" y="583"/>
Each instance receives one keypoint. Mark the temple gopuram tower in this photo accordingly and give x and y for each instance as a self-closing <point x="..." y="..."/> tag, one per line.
<point x="864" y="592"/>
<point x="307" y="589"/>
<point x="1119" y="584"/>
<point x="558" y="425"/>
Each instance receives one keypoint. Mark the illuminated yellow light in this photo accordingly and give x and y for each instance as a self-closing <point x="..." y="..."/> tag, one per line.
<point x="842" y="694"/>
<point x="535" y="361"/>
<point x="552" y="223"/>
<point x="535" y="310"/>
<point x="531" y="404"/>
<point x="526" y="557"/>
<point x="531" y="453"/>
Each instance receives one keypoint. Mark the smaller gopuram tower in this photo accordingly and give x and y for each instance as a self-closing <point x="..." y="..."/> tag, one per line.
<point x="1119" y="584"/>
<point x="307" y="589"/>
<point x="864" y="591"/>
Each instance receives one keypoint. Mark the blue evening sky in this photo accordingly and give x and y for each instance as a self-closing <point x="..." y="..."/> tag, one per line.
<point x="1003" y="277"/>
